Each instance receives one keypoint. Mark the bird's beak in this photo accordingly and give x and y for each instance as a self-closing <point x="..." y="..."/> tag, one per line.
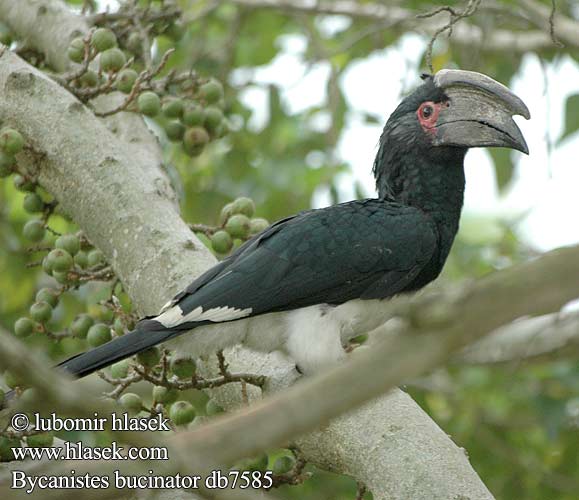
<point x="479" y="112"/>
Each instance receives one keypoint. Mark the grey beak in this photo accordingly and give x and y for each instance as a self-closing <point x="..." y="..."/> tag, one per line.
<point x="479" y="112"/>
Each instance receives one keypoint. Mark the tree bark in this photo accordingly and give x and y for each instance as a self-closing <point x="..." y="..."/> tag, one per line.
<point x="122" y="200"/>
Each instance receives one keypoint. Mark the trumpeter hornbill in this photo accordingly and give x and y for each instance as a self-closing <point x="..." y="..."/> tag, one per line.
<point x="306" y="269"/>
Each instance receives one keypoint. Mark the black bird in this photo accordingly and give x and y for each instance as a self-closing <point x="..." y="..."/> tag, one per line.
<point x="313" y="269"/>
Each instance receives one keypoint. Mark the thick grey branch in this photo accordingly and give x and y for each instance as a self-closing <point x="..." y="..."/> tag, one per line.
<point x="542" y="338"/>
<point x="70" y="399"/>
<point x="125" y="208"/>
<point x="46" y="25"/>
<point x="386" y="444"/>
<point x="438" y="325"/>
<point x="88" y="168"/>
<point x="121" y="199"/>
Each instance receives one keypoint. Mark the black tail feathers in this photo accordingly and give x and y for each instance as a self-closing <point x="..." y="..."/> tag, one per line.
<point x="147" y="334"/>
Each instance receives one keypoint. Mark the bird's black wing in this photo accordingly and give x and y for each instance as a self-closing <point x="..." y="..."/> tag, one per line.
<point x="360" y="249"/>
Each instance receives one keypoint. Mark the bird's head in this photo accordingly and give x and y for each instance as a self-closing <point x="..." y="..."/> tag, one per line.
<point x="450" y="112"/>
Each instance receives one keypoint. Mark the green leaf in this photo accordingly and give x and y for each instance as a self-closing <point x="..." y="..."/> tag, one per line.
<point x="504" y="167"/>
<point x="571" y="116"/>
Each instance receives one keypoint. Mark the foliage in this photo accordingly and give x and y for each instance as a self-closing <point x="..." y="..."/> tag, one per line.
<point x="514" y="418"/>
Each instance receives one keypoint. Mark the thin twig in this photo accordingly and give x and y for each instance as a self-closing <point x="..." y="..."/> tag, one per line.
<point x="204" y="229"/>
<point x="151" y="16"/>
<point x="145" y="76"/>
<point x="200" y="383"/>
<point x="89" y="55"/>
<point x="455" y="16"/>
<point x="294" y="476"/>
<point x="120" y="384"/>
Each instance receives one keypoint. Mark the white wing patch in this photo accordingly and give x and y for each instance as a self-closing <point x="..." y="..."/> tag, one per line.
<point x="167" y="306"/>
<point x="174" y="316"/>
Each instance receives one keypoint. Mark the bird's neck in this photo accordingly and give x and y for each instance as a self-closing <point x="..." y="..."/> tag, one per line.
<point x="435" y="185"/>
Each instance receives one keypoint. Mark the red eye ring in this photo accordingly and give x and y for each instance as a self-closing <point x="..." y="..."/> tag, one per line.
<point x="427" y="114"/>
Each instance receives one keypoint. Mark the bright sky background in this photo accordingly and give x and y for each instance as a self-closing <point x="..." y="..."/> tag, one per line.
<point x="544" y="196"/>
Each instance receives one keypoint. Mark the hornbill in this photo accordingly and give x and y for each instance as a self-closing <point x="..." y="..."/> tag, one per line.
<point x="300" y="275"/>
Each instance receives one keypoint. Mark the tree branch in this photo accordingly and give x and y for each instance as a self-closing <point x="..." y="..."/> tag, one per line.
<point x="125" y="207"/>
<point x="40" y="21"/>
<point x="563" y="27"/>
<point x="87" y="168"/>
<point x="120" y="197"/>
<point x="437" y="325"/>
<point x="539" y="339"/>
<point x="464" y="34"/>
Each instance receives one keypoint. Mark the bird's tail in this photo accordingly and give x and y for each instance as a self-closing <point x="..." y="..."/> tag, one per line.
<point x="148" y="333"/>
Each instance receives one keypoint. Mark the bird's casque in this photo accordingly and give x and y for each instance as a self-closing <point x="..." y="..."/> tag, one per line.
<point x="296" y="284"/>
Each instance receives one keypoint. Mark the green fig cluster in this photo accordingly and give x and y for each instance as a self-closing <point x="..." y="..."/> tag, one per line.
<point x="76" y="50"/>
<point x="6" y="445"/>
<point x="102" y="42"/>
<point x="126" y="79"/>
<point x="34" y="230"/>
<point x="236" y="222"/>
<point x="98" y="334"/>
<point x="120" y="369"/>
<point x="191" y="114"/>
<point x="149" y="358"/>
<point x="69" y="256"/>
<point x="182" y="413"/>
<point x="257" y="463"/>
<point x="66" y="260"/>
<point x="40" y="312"/>
<point x="182" y="366"/>
<point x="164" y="395"/>
<point x="112" y="60"/>
<point x="212" y="408"/>
<point x="131" y="402"/>
<point x="11" y="143"/>
<point x="59" y="263"/>
<point x="81" y="325"/>
<point x="193" y="123"/>
<point x="283" y="464"/>
<point x="102" y="47"/>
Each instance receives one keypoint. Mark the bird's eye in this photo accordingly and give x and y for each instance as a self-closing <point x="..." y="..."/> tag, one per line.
<point x="427" y="111"/>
